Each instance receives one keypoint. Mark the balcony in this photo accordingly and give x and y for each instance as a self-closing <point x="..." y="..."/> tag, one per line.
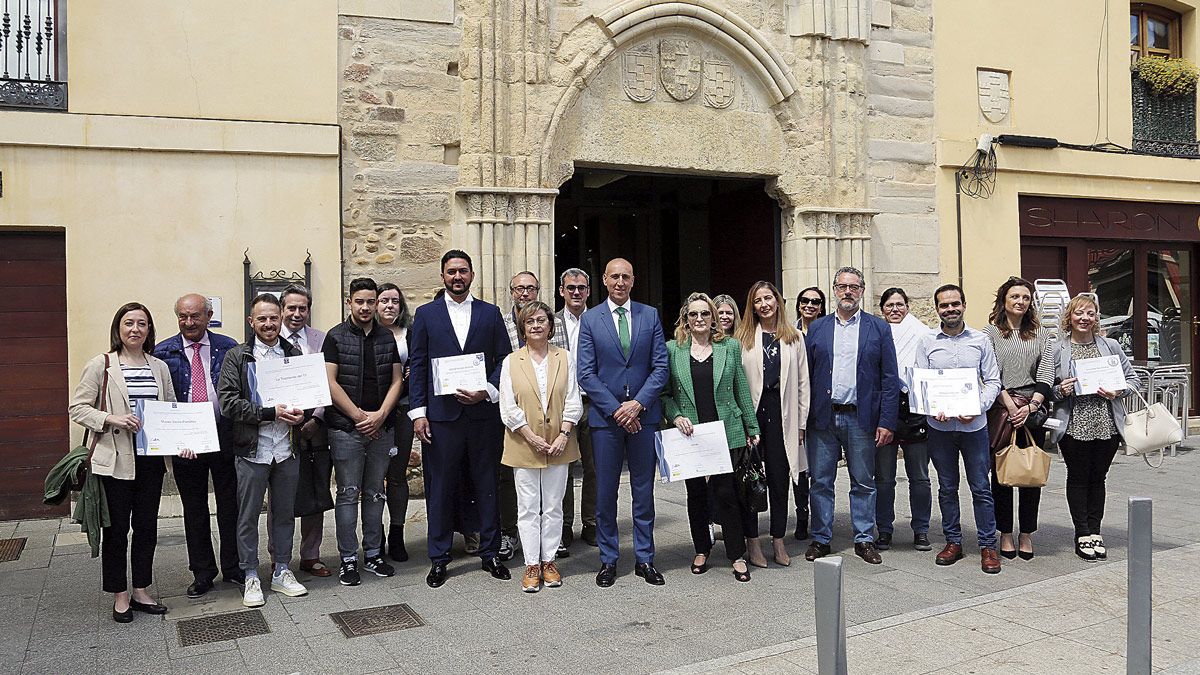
<point x="31" y="56"/>
<point x="1163" y="125"/>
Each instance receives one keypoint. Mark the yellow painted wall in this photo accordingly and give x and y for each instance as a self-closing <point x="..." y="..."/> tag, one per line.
<point x="1050" y="48"/>
<point x="218" y="59"/>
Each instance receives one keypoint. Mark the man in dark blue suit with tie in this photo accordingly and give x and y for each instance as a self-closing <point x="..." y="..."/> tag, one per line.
<point x="623" y="367"/>
<point x="463" y="427"/>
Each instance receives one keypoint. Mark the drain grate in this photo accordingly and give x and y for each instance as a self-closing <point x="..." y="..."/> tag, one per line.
<point x="10" y="549"/>
<point x="374" y="620"/>
<point x="221" y="627"/>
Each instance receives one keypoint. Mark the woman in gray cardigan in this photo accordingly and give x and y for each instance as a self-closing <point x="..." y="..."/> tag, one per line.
<point x="1090" y="425"/>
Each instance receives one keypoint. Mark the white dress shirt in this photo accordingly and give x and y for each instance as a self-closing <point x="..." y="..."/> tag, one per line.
<point x="513" y="415"/>
<point x="612" y="311"/>
<point x="571" y="324"/>
<point x="460" y="317"/>
<point x="206" y="359"/>
<point x="300" y="341"/>
<point x="273" y="441"/>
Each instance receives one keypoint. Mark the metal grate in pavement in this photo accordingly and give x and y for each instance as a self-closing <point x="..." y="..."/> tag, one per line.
<point x="374" y="620"/>
<point x="10" y="549"/>
<point x="221" y="627"/>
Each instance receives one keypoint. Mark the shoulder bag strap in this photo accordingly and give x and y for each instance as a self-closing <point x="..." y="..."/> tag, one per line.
<point x="102" y="404"/>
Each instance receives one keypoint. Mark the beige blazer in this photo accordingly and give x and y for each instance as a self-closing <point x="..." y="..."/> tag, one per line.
<point x="517" y="452"/>
<point x="793" y="394"/>
<point x="114" y="447"/>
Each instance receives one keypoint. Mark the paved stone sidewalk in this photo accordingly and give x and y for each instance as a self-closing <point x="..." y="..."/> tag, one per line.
<point x="1052" y="614"/>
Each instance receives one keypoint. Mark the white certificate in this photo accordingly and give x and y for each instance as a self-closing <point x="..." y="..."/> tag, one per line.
<point x="299" y="382"/>
<point x="704" y="453"/>
<point x="1102" y="372"/>
<point x="168" y="428"/>
<point x="953" y="391"/>
<point x="451" y="373"/>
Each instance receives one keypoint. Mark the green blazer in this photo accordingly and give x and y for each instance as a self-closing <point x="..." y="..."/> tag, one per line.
<point x="732" y="393"/>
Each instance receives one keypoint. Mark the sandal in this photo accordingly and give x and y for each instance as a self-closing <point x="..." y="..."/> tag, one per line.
<point x="741" y="576"/>
<point x="702" y="567"/>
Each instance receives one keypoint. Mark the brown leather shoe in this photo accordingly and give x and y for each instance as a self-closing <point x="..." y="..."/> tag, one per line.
<point x="990" y="560"/>
<point x="315" y="568"/>
<point x="551" y="575"/>
<point x="531" y="582"/>
<point x="816" y="550"/>
<point x="949" y="555"/>
<point x="866" y="550"/>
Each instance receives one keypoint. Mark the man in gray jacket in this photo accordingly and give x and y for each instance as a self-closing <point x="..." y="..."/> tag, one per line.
<point x="265" y="440"/>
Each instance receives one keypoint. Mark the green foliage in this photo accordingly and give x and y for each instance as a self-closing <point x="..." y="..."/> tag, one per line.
<point x="1167" y="77"/>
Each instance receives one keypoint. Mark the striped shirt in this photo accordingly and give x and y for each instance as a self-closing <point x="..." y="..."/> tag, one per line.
<point x="1018" y="359"/>
<point x="139" y="381"/>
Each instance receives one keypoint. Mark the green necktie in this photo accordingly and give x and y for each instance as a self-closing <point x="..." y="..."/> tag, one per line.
<point x="623" y="330"/>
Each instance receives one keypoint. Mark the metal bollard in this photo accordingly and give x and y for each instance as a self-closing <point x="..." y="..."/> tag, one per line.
<point x="831" y="617"/>
<point x="1140" y="598"/>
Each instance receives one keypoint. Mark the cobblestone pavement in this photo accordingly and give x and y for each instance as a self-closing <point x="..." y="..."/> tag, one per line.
<point x="1053" y="614"/>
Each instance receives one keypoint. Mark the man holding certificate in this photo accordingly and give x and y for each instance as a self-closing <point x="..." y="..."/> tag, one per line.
<point x="265" y="440"/>
<point x="956" y="348"/>
<point x="458" y="344"/>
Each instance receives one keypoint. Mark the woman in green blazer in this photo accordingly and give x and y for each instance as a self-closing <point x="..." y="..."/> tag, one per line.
<point x="708" y="384"/>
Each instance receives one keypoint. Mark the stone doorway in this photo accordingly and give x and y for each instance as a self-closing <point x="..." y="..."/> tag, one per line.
<point x="683" y="233"/>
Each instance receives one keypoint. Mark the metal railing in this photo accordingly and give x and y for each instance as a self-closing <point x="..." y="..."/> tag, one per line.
<point x="31" y="55"/>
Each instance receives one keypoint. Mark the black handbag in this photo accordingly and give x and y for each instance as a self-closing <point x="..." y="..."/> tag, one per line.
<point x="910" y="426"/>
<point x="751" y="478"/>
<point x="313" y="487"/>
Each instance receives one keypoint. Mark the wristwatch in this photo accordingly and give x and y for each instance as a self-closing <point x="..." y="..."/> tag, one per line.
<point x="565" y="433"/>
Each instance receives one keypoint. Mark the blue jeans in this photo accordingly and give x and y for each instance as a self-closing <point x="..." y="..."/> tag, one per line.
<point x="920" y="496"/>
<point x="823" y="448"/>
<point x="360" y="465"/>
<point x="944" y="449"/>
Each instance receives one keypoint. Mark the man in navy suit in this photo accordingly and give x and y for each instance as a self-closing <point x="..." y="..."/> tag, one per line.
<point x="464" y="427"/>
<point x="855" y="394"/>
<point x="623" y="367"/>
<point x="194" y="357"/>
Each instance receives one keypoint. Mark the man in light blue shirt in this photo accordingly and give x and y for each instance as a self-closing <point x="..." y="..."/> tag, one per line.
<point x="957" y="346"/>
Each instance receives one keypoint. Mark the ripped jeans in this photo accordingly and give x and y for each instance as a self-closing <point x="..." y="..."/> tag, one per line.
<point x="359" y="464"/>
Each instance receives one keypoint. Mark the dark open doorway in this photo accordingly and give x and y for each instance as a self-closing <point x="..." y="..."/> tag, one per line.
<point x="682" y="233"/>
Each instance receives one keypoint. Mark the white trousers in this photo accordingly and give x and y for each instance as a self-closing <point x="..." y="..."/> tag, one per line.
<point x="539" y="510"/>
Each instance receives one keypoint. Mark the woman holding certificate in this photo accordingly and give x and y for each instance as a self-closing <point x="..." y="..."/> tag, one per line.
<point x="776" y="365"/>
<point x="104" y="403"/>
<point x="1018" y="340"/>
<point x="1089" y="422"/>
<point x="540" y="405"/>
<point x="708" y="385"/>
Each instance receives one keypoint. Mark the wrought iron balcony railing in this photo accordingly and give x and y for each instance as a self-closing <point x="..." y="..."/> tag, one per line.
<point x="1163" y="125"/>
<point x="31" y="63"/>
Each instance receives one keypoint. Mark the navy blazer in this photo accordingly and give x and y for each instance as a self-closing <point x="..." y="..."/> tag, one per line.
<point x="877" y="380"/>
<point x="608" y="378"/>
<point x="171" y="351"/>
<point x="432" y="336"/>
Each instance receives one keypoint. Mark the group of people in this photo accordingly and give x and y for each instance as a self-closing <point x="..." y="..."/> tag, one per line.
<point x="594" y="385"/>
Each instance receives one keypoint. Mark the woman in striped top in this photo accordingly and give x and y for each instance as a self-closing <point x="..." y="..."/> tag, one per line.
<point x="1018" y="340"/>
<point x="132" y="482"/>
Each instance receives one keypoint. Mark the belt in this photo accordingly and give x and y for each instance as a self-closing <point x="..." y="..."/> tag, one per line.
<point x="845" y="407"/>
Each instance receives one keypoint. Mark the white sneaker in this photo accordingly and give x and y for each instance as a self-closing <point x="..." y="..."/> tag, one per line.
<point x="285" y="582"/>
<point x="252" y="596"/>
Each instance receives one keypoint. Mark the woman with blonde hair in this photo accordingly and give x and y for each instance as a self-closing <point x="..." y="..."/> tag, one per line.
<point x="1090" y="424"/>
<point x="777" y="369"/>
<point x="540" y="405"/>
<point x="728" y="316"/>
<point x="708" y="384"/>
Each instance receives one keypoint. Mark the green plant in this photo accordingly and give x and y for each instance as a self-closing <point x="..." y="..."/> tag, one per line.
<point x="1167" y="77"/>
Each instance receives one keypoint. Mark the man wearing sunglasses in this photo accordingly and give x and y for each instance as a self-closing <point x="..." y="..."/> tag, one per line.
<point x="574" y="285"/>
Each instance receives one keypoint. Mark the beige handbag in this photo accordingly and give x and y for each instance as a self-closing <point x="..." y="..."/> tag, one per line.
<point x="1149" y="430"/>
<point x="1022" y="466"/>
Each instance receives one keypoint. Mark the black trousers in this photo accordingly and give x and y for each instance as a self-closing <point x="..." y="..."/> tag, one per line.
<point x="131" y="503"/>
<point x="1030" y="498"/>
<point x="463" y="446"/>
<point x="191" y="476"/>
<point x="717" y="498"/>
<point x="770" y="426"/>
<point x="397" y="471"/>
<point x="1087" y="467"/>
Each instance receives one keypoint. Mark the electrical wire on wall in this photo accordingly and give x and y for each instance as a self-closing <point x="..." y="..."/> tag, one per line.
<point x="977" y="177"/>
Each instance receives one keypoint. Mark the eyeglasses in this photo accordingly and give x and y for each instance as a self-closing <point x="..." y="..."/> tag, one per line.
<point x="896" y="305"/>
<point x="815" y="302"/>
<point x="576" y="289"/>
<point x="524" y="289"/>
<point x="842" y="288"/>
<point x="702" y="313"/>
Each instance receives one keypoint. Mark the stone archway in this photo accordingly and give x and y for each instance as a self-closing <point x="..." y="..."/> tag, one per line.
<point x="675" y="86"/>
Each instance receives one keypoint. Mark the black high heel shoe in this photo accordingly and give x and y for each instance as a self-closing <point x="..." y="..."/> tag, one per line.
<point x="701" y="568"/>
<point x="1025" y="555"/>
<point x="742" y="576"/>
<point x="1009" y="554"/>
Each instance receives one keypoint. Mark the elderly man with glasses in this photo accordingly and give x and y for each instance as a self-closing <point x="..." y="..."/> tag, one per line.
<point x="855" y="393"/>
<point x="523" y="288"/>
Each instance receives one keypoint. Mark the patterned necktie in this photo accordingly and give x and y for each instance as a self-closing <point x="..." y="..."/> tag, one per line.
<point x="296" y="341"/>
<point x="623" y="330"/>
<point x="199" y="389"/>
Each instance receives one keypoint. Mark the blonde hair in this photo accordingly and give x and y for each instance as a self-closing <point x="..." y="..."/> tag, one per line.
<point x="1075" y="303"/>
<point x="683" y="333"/>
<point x="785" y="332"/>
